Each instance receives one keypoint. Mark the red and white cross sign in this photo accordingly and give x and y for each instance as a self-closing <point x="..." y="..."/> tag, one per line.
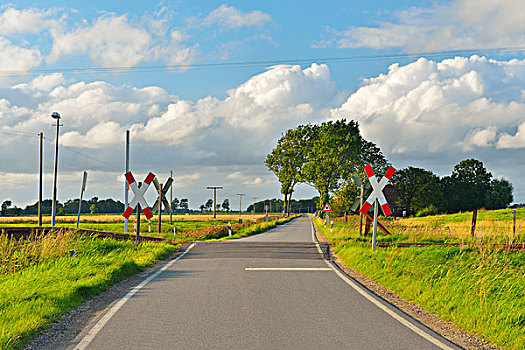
<point x="139" y="195"/>
<point x="377" y="192"/>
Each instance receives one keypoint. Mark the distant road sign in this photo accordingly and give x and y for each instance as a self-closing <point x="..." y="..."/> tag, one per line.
<point x="327" y="207"/>
<point x="377" y="192"/>
<point x="139" y="195"/>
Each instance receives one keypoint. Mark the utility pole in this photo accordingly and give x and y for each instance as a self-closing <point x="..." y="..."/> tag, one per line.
<point x="55" y="116"/>
<point x="126" y="184"/>
<point x="171" y="199"/>
<point x="40" y="180"/>
<point x="254" y="199"/>
<point x="214" y="188"/>
<point x="240" y="203"/>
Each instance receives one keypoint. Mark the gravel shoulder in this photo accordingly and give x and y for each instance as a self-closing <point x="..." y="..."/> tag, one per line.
<point x="449" y="330"/>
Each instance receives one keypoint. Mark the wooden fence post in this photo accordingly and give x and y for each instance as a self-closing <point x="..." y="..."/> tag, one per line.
<point x="514" y="224"/>
<point x="474" y="217"/>
<point x="367" y="225"/>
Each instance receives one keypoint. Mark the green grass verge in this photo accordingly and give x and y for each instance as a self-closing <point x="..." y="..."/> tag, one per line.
<point x="479" y="288"/>
<point x="45" y="282"/>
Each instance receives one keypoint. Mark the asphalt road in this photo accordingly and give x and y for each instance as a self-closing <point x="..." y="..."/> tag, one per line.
<point x="217" y="297"/>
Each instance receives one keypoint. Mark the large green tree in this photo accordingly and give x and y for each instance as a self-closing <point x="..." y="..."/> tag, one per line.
<point x="333" y="156"/>
<point x="415" y="189"/>
<point x="338" y="151"/>
<point x="499" y="196"/>
<point x="289" y="157"/>
<point x="467" y="187"/>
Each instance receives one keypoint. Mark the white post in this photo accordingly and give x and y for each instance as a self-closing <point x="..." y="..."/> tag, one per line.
<point x="374" y="235"/>
<point x="82" y="189"/>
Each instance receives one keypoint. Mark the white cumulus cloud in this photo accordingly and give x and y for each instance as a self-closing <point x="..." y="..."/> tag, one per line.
<point x="458" y="24"/>
<point x="14" y="57"/>
<point x="513" y="141"/>
<point x="429" y="106"/>
<point x="114" y="41"/>
<point x="232" y="18"/>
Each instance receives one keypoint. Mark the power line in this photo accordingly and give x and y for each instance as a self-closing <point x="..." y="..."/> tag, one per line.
<point x="240" y="64"/>
<point x="67" y="148"/>
<point x="16" y="132"/>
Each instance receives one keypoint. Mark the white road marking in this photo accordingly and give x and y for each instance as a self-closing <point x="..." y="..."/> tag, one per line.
<point x="380" y="305"/>
<point x="84" y="343"/>
<point x="287" y="269"/>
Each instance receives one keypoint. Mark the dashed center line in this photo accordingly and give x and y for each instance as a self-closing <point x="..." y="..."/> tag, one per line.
<point x="287" y="269"/>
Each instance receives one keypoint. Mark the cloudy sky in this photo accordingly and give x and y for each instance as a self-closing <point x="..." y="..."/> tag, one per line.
<point x="206" y="88"/>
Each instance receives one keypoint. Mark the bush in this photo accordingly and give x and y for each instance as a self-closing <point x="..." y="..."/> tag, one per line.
<point x="430" y="210"/>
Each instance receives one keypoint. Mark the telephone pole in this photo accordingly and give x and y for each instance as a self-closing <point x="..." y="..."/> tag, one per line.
<point x="240" y="202"/>
<point x="55" y="116"/>
<point x="254" y="199"/>
<point x="214" y="188"/>
<point x="40" y="181"/>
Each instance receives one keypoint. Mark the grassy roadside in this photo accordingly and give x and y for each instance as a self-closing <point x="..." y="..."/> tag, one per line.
<point x="479" y="288"/>
<point x="40" y="281"/>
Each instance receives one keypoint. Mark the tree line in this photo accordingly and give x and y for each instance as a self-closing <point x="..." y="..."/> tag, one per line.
<point x="327" y="155"/>
<point x="91" y="206"/>
<point x="277" y="205"/>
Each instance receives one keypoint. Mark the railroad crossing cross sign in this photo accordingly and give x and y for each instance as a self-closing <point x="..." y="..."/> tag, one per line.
<point x="377" y="192"/>
<point x="139" y="195"/>
<point x="327" y="207"/>
<point x="165" y="189"/>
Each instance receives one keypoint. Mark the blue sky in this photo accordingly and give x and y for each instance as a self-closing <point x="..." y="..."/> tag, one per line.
<point x="423" y="105"/>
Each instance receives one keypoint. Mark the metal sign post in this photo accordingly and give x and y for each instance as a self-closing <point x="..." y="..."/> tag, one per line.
<point x="84" y="180"/>
<point x="374" y="233"/>
<point x="160" y="209"/>
<point x="126" y="184"/>
<point x="377" y="197"/>
<point x="137" y="220"/>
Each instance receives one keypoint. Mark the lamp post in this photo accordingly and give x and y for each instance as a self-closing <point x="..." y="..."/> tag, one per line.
<point x="55" y="116"/>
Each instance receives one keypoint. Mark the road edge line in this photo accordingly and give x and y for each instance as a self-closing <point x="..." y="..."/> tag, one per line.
<point x="84" y="343"/>
<point x="377" y="303"/>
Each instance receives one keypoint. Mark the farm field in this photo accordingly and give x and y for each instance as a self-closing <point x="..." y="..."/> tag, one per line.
<point x="479" y="286"/>
<point x="116" y="218"/>
<point x="115" y="223"/>
<point x="492" y="227"/>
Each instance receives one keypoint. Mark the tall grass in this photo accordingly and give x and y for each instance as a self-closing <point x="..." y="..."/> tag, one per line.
<point x="41" y="280"/>
<point x="480" y="287"/>
<point x="17" y="255"/>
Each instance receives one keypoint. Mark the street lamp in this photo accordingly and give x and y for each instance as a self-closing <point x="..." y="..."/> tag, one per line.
<point x="55" y="116"/>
